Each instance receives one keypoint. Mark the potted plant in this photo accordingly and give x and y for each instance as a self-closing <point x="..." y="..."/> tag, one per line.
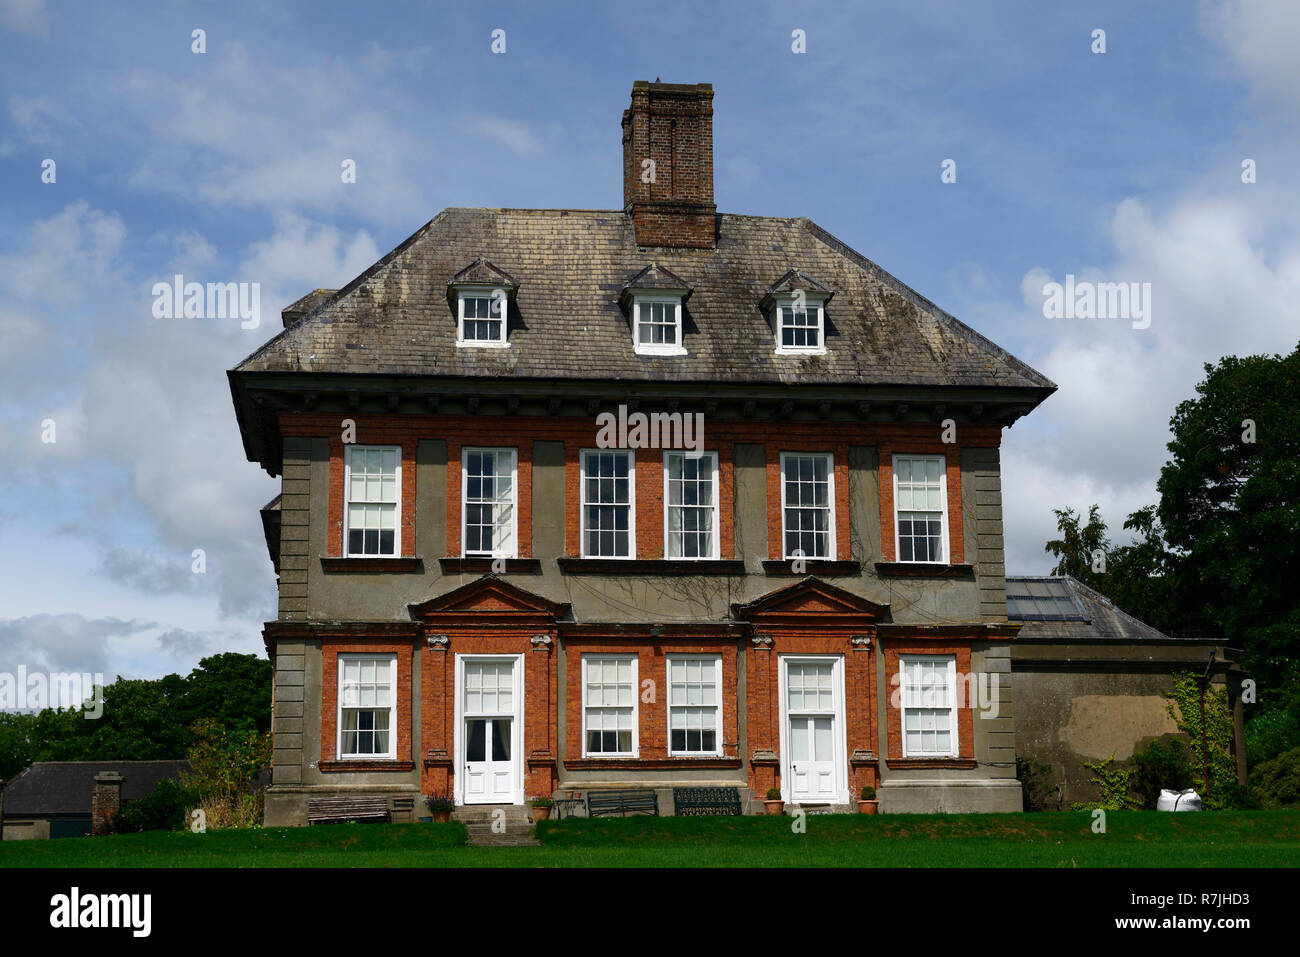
<point x="440" y="806"/>
<point x="868" y="804"/>
<point x="774" y="804"/>
<point x="541" y="808"/>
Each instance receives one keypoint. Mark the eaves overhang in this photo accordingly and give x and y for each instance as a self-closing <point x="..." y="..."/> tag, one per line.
<point x="260" y="398"/>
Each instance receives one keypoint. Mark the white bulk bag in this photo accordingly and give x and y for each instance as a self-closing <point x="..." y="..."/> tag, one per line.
<point x="1187" y="800"/>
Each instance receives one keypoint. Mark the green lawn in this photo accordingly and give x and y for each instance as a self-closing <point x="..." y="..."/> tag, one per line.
<point x="1133" y="839"/>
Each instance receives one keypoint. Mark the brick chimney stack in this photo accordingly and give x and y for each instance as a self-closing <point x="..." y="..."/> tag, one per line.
<point x="668" y="164"/>
<point x="105" y="801"/>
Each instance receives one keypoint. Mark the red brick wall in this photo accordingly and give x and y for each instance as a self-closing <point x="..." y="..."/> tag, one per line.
<point x="893" y="648"/>
<point x="651" y="717"/>
<point x="330" y="650"/>
<point x="659" y="227"/>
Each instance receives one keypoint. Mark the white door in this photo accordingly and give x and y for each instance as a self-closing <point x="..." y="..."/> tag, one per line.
<point x="812" y="759"/>
<point x="813" y="726"/>
<point x="490" y="732"/>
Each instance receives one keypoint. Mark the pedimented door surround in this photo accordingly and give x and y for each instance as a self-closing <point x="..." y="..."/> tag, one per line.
<point x="823" y="627"/>
<point x="488" y="620"/>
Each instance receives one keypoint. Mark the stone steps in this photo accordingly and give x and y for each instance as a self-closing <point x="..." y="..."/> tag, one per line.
<point x="515" y="835"/>
<point x="487" y="813"/>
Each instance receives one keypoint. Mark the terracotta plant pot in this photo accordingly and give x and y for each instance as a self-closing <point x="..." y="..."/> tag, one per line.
<point x="441" y="817"/>
<point x="774" y="807"/>
<point x="541" y="813"/>
<point x="868" y="807"/>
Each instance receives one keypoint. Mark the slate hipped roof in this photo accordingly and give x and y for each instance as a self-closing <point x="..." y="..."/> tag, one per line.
<point x="571" y="266"/>
<point x="49" y="788"/>
<point x="1062" y="608"/>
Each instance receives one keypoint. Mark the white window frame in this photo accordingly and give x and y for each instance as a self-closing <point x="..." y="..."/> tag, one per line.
<point x="663" y="348"/>
<point x="631" y="503"/>
<point x="716" y="661"/>
<point x="811" y="302"/>
<point x="347" y="501"/>
<point x="636" y="715"/>
<point x="481" y="292"/>
<point x="946" y="557"/>
<point x="717" y="508"/>
<point x="832" y="546"/>
<point x="954" y="749"/>
<point x="392" y="707"/>
<point x="512" y="552"/>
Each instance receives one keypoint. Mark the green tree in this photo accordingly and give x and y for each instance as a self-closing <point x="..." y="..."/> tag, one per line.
<point x="15" y="742"/>
<point x="1143" y="577"/>
<point x="1076" y="548"/>
<point x="144" y="719"/>
<point x="1230" y="506"/>
<point x="232" y="688"/>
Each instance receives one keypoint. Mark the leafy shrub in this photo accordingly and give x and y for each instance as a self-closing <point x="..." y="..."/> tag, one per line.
<point x="441" y="802"/>
<point x="226" y="766"/>
<point x="1163" y="764"/>
<point x="774" y="794"/>
<point x="1277" y="782"/>
<point x="1275" y="727"/>
<point x="868" y="793"/>
<point x="165" y="808"/>
<point x="1034" y="792"/>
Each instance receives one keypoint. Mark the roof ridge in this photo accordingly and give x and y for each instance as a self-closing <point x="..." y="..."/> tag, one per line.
<point x="916" y="298"/>
<point x="1095" y="595"/>
<point x="342" y="291"/>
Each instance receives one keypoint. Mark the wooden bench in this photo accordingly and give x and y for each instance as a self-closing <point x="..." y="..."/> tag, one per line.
<point x="706" y="801"/>
<point x="638" y="801"/>
<point x="321" y="810"/>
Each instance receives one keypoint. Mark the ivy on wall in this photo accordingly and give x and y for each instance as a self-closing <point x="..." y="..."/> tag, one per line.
<point x="1185" y="709"/>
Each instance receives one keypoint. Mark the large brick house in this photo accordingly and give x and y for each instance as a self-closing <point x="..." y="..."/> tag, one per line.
<point x="493" y="583"/>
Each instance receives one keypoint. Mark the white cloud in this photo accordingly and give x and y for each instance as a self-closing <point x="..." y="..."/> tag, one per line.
<point x="63" y="642"/>
<point x="248" y="132"/>
<point x="1101" y="438"/>
<point x="302" y="255"/>
<point x="514" y="136"/>
<point x="1263" y="38"/>
<point x="63" y="256"/>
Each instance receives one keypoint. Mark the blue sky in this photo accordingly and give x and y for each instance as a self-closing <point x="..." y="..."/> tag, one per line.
<point x="224" y="166"/>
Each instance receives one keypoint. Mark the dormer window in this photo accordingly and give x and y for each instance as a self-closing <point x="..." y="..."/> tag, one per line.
<point x="657" y="325"/>
<point x="480" y="294"/>
<point x="799" y="326"/>
<point x="796" y="307"/>
<point x="482" y="318"/>
<point x="655" y="300"/>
